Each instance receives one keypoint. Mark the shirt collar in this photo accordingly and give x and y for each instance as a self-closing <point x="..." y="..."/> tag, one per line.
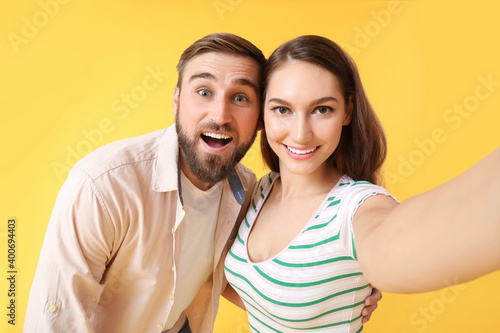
<point x="165" y="172"/>
<point x="166" y="175"/>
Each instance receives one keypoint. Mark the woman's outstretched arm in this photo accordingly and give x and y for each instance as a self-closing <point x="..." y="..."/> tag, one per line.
<point x="445" y="236"/>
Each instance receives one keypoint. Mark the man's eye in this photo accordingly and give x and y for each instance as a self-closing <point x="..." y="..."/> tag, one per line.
<point x="203" y="92"/>
<point x="240" y="99"/>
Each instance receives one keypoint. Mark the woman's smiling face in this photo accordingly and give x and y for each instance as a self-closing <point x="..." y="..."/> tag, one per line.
<point x="304" y="113"/>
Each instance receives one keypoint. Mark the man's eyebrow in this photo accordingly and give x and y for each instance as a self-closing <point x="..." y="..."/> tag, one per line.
<point x="202" y="75"/>
<point x="237" y="81"/>
<point x="246" y="82"/>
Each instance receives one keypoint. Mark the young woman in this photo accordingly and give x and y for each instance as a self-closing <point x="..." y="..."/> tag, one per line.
<point x="320" y="231"/>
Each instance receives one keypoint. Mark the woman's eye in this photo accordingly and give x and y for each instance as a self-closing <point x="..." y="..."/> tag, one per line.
<point x="323" y="109"/>
<point x="280" y="109"/>
<point x="203" y="92"/>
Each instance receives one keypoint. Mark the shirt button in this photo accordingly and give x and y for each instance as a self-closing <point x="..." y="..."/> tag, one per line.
<point x="52" y="308"/>
<point x="173" y="230"/>
<point x="171" y="297"/>
<point x="160" y="326"/>
<point x="173" y="268"/>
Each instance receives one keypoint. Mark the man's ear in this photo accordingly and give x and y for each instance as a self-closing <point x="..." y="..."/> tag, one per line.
<point x="349" y="108"/>
<point x="175" y="100"/>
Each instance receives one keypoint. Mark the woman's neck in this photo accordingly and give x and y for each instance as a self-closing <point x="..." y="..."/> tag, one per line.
<point x="319" y="182"/>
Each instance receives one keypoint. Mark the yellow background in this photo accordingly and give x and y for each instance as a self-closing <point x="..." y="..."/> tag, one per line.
<point x="66" y="65"/>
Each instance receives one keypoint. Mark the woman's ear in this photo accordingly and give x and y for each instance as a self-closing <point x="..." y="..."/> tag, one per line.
<point x="349" y="108"/>
<point x="175" y="100"/>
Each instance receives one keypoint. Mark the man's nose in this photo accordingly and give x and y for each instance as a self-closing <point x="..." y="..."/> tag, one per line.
<point x="221" y="112"/>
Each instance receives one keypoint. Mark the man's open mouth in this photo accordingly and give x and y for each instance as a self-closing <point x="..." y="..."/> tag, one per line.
<point x="216" y="140"/>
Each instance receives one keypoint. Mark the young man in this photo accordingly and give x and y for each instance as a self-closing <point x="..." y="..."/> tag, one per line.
<point x="139" y="232"/>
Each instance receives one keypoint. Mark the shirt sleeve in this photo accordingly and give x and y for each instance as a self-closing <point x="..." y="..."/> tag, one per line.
<point x="75" y="252"/>
<point x="357" y="193"/>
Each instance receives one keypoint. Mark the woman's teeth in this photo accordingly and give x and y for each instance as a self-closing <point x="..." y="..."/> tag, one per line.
<point x="301" y="152"/>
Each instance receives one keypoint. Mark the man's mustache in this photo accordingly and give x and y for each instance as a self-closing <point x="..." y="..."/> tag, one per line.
<point x="212" y="126"/>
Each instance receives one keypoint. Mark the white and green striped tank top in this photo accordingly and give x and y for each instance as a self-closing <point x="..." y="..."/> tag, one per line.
<point x="314" y="284"/>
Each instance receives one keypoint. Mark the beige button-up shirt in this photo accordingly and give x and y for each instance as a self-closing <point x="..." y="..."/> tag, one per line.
<point x="108" y="259"/>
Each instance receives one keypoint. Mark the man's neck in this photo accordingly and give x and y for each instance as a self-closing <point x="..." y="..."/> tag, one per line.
<point x="192" y="178"/>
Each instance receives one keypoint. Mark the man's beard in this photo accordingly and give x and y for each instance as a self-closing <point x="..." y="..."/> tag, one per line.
<point x="210" y="168"/>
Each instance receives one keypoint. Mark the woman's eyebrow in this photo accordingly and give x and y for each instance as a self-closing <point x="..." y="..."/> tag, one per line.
<point x="278" y="101"/>
<point x="323" y="100"/>
<point x="315" y="102"/>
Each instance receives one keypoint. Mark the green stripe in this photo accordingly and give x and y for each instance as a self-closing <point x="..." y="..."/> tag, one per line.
<point x="239" y="239"/>
<point x="246" y="222"/>
<point x="270" y="179"/>
<point x="330" y="198"/>
<point x="303" y="284"/>
<point x="286" y="319"/>
<point x="236" y="257"/>
<point x="308" y="246"/>
<point x="318" y="226"/>
<point x="354" y="248"/>
<point x="294" y="305"/>
<point x="254" y="207"/>
<point x="305" y="328"/>
<point x="360" y="183"/>
<point x="333" y="203"/>
<point x="262" y="194"/>
<point x="360" y="329"/>
<point x="310" y="264"/>
<point x="263" y="323"/>
<point x="363" y="198"/>
<point x="254" y="329"/>
<point x="366" y="196"/>
<point x="331" y="325"/>
<point x="343" y="184"/>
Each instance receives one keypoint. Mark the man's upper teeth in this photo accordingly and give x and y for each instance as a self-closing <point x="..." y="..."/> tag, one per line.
<point x="297" y="151"/>
<point x="216" y="135"/>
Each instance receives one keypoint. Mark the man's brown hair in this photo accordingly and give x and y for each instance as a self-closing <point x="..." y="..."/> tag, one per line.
<point x="223" y="43"/>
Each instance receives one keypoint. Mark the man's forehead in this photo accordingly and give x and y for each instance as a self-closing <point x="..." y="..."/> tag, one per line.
<point x="214" y="63"/>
